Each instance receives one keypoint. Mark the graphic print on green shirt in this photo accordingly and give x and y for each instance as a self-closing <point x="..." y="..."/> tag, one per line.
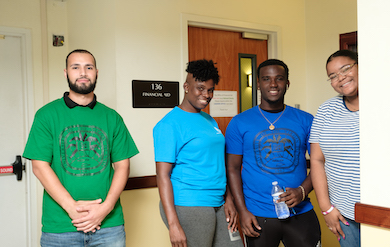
<point x="84" y="149"/>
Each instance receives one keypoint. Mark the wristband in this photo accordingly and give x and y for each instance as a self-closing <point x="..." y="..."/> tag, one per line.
<point x="303" y="192"/>
<point x="329" y="210"/>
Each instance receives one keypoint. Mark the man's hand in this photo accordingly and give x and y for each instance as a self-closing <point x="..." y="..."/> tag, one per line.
<point x="292" y="197"/>
<point x="248" y="222"/>
<point x="74" y="214"/>
<point x="93" y="215"/>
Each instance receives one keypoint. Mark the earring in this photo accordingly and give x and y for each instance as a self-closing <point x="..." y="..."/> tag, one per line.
<point x="186" y="91"/>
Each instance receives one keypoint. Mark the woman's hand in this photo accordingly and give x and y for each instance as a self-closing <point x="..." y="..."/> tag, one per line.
<point x="231" y="215"/>
<point x="177" y="236"/>
<point x="176" y="233"/>
<point x="333" y="222"/>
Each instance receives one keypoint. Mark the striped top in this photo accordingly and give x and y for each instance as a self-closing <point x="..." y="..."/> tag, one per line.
<point x="336" y="129"/>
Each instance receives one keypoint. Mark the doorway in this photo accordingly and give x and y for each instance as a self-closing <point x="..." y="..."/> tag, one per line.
<point x="19" y="224"/>
<point x="224" y="47"/>
<point x="248" y="82"/>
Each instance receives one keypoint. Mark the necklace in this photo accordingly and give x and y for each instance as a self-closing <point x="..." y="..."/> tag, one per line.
<point x="272" y="126"/>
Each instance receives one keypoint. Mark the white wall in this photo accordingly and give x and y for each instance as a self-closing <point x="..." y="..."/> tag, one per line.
<point x="374" y="54"/>
<point x="325" y="20"/>
<point x="57" y="25"/>
<point x="27" y="16"/>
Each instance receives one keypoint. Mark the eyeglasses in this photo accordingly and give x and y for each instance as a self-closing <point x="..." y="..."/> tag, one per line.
<point x="343" y="71"/>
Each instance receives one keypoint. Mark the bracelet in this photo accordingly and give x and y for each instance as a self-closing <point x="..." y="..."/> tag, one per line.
<point x="303" y="192"/>
<point x="329" y="210"/>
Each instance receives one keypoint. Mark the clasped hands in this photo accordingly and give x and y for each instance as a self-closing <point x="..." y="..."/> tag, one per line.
<point x="87" y="216"/>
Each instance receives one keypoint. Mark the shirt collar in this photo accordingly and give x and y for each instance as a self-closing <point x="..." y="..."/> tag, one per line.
<point x="71" y="104"/>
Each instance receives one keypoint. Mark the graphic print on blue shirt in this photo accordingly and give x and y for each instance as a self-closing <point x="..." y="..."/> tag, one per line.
<point x="277" y="151"/>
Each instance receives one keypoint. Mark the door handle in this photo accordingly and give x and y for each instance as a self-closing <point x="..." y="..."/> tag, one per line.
<point x="17" y="168"/>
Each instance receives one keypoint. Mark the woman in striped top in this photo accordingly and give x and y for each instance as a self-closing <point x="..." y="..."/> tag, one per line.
<point x="335" y="155"/>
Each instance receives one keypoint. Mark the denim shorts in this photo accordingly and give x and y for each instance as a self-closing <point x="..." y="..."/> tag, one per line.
<point x="111" y="236"/>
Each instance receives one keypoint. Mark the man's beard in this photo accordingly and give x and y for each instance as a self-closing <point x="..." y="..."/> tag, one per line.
<point x="82" y="89"/>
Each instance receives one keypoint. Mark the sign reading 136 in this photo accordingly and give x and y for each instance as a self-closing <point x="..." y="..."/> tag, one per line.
<point x="156" y="86"/>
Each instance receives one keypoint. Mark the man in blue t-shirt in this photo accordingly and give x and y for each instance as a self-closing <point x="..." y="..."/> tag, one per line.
<point x="268" y="143"/>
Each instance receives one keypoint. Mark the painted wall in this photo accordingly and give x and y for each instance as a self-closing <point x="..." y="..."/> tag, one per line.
<point x="374" y="119"/>
<point x="325" y="20"/>
<point x="144" y="226"/>
<point x="27" y="16"/>
<point x="56" y="25"/>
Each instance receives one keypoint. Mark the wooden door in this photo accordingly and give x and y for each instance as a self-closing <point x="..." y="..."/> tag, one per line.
<point x="223" y="47"/>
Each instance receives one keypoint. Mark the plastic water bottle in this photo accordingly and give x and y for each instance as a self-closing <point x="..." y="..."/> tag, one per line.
<point x="281" y="208"/>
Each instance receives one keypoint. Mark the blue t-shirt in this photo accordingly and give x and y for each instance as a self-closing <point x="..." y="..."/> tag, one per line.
<point x="270" y="155"/>
<point x="195" y="146"/>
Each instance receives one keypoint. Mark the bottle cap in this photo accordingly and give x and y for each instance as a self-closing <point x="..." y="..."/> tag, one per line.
<point x="275" y="183"/>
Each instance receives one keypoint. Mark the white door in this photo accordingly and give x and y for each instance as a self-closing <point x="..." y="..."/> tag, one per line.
<point x="14" y="195"/>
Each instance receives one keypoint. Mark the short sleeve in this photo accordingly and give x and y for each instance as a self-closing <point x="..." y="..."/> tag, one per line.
<point x="316" y="127"/>
<point x="39" y="145"/>
<point x="308" y="127"/>
<point x="234" y="139"/>
<point x="165" y="142"/>
<point x="123" y="145"/>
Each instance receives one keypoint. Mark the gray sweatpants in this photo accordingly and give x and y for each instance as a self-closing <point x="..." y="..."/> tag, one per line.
<point x="204" y="226"/>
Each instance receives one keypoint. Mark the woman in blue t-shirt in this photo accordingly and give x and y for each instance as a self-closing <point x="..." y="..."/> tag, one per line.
<point x="335" y="153"/>
<point x="190" y="162"/>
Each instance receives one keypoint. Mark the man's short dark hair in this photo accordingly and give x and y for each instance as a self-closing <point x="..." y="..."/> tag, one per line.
<point x="272" y="62"/>
<point x="344" y="53"/>
<point x="203" y="70"/>
<point x="79" y="51"/>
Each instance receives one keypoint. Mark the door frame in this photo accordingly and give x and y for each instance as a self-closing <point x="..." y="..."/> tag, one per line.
<point x="273" y="32"/>
<point x="253" y="58"/>
<point x="33" y="215"/>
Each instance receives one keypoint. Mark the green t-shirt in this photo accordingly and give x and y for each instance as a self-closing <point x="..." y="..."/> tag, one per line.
<point x="81" y="144"/>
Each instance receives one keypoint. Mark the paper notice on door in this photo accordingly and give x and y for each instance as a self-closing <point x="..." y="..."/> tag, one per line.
<point x="224" y="104"/>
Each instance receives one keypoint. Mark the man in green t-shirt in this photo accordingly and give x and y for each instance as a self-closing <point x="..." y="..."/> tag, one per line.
<point x="80" y="152"/>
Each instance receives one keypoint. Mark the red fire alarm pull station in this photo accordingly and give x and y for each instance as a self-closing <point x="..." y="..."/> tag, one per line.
<point x="58" y="40"/>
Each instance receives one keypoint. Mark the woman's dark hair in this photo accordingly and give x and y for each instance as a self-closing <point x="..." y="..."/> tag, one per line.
<point x="344" y="53"/>
<point x="272" y="62"/>
<point x="203" y="70"/>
